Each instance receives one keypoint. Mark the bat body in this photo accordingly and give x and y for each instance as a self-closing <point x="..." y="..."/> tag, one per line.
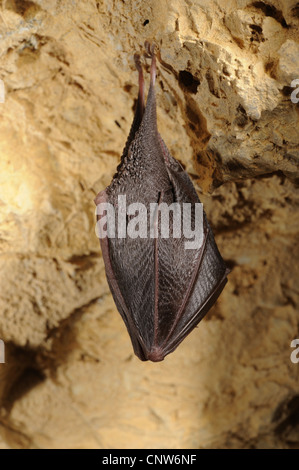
<point x="161" y="289"/>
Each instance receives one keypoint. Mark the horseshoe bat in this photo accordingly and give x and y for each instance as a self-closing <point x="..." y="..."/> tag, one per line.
<point x="161" y="289"/>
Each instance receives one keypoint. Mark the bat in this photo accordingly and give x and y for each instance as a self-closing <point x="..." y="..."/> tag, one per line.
<point x="161" y="288"/>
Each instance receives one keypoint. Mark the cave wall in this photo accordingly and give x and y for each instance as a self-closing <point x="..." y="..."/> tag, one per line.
<point x="225" y="70"/>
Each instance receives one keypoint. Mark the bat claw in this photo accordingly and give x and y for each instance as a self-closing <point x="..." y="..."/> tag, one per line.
<point x="150" y="48"/>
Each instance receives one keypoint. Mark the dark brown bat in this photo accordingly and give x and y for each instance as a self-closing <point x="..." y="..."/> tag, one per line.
<point x="161" y="289"/>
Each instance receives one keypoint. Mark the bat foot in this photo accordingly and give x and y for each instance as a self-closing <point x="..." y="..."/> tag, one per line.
<point x="150" y="48"/>
<point x="137" y="62"/>
<point x="150" y="51"/>
<point x="141" y="83"/>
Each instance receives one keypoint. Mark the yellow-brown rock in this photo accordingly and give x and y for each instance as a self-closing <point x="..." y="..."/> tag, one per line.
<point x="224" y="84"/>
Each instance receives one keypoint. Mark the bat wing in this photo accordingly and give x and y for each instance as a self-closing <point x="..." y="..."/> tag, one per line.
<point x="189" y="280"/>
<point x="161" y="289"/>
<point x="121" y="281"/>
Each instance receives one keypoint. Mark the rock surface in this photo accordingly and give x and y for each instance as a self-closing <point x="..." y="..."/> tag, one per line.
<point x="224" y="89"/>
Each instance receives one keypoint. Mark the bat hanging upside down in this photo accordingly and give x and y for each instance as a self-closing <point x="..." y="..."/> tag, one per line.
<point x="162" y="286"/>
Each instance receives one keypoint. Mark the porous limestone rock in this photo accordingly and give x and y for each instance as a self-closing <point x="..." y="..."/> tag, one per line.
<point x="224" y="110"/>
